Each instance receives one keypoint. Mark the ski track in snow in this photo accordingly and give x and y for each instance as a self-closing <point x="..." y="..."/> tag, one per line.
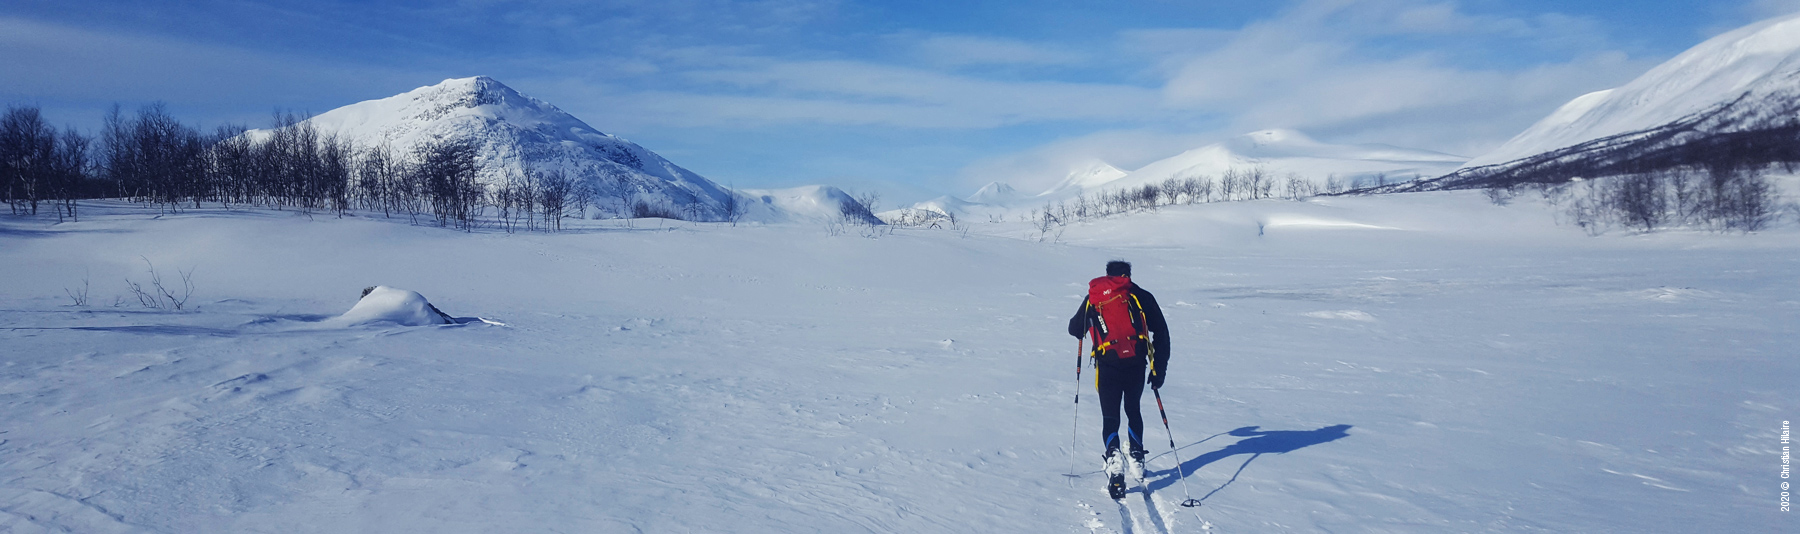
<point x="1482" y="371"/>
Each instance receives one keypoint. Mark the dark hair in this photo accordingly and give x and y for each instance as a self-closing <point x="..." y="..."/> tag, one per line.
<point x="1118" y="268"/>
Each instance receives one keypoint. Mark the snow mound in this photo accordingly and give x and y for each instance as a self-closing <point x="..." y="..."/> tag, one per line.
<point x="383" y="304"/>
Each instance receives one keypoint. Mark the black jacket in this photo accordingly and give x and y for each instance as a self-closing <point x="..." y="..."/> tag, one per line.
<point x="1153" y="319"/>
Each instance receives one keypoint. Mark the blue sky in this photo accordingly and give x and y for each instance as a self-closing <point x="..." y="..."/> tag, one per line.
<point x="914" y="97"/>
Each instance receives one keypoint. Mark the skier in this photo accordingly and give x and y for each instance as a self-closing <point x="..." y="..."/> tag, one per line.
<point x="1129" y="335"/>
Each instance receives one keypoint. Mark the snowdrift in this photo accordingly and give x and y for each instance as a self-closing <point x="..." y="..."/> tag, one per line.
<point x="383" y="304"/>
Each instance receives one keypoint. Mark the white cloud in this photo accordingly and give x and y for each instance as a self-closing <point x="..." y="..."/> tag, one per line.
<point x="1037" y="169"/>
<point x="59" y="63"/>
<point x="1313" y="68"/>
<point x="853" y="92"/>
<point x="1762" y="9"/>
<point x="964" y="50"/>
<point x="1321" y="67"/>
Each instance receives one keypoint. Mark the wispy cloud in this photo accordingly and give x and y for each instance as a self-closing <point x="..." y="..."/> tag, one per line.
<point x="869" y="93"/>
<point x="1394" y="71"/>
<point x="75" y="64"/>
<point x="1771" y="8"/>
<point x="1326" y="65"/>
<point x="1038" y="168"/>
<point x="967" y="50"/>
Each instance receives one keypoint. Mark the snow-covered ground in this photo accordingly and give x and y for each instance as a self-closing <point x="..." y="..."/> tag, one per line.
<point x="1410" y="363"/>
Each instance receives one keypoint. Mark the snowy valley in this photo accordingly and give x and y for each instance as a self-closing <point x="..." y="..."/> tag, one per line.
<point x="1422" y="362"/>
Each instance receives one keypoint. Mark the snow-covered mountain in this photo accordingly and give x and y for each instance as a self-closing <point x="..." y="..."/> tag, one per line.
<point x="995" y="193"/>
<point x="1092" y="174"/>
<point x="1282" y="152"/>
<point x="1278" y="152"/>
<point x="514" y="132"/>
<point x="1731" y="90"/>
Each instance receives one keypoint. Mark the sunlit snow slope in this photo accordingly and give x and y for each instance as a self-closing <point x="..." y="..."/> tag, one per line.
<point x="1754" y="67"/>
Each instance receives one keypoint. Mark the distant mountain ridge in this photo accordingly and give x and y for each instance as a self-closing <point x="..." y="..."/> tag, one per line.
<point x="1279" y="152"/>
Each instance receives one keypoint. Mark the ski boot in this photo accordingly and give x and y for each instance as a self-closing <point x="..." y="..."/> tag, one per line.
<point x="1115" y="474"/>
<point x="1137" y="464"/>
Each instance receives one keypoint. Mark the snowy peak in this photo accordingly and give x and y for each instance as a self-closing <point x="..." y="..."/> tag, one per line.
<point x="1757" y="62"/>
<point x="1089" y="175"/>
<point x="439" y="100"/>
<point x="994" y="193"/>
<point x="515" y="133"/>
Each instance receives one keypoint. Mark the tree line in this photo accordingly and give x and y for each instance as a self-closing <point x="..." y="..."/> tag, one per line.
<point x="1713" y="198"/>
<point x="1706" y="170"/>
<point x="150" y="157"/>
<point x="1254" y="183"/>
<point x="40" y="166"/>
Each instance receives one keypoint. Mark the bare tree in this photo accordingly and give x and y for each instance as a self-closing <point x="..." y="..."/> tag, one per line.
<point x="27" y="153"/>
<point x="555" y="189"/>
<point x="1335" y="185"/>
<point x="870" y="200"/>
<point x="735" y="208"/>
<point x="447" y="172"/>
<point x="1639" y="200"/>
<point x="69" y="171"/>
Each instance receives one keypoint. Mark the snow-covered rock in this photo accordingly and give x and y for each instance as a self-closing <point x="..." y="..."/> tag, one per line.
<point x="383" y="304"/>
<point x="513" y="133"/>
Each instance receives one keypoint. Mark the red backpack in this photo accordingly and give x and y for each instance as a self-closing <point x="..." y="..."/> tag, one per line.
<point x="1121" y="322"/>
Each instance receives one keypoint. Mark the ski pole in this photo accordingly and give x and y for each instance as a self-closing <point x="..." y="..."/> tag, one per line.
<point x="1190" y="502"/>
<point x="1080" y="345"/>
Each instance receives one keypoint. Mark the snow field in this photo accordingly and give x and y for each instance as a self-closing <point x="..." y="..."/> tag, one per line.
<point x="1412" y="363"/>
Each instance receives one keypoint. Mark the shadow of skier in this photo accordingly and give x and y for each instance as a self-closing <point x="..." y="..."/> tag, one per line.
<point x="1260" y="442"/>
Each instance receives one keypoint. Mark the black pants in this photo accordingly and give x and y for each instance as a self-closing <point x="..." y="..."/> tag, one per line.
<point x="1120" y="385"/>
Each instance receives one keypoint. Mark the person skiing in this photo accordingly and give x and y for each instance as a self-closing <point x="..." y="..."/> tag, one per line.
<point x="1130" y="336"/>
